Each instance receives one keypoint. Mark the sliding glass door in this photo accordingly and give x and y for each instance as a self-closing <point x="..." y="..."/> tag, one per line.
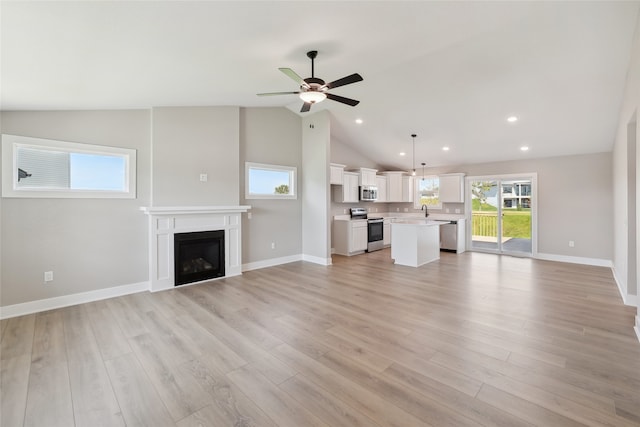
<point x="502" y="214"/>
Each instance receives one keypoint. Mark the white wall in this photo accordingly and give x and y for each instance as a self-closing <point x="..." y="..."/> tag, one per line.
<point x="316" y="231"/>
<point x="89" y="244"/>
<point x="272" y="136"/>
<point x="187" y="142"/>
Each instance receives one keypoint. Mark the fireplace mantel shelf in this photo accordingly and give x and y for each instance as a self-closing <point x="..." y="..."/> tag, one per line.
<point x="188" y="210"/>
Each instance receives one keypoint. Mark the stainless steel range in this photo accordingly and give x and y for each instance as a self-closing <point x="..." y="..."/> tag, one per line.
<point x="375" y="229"/>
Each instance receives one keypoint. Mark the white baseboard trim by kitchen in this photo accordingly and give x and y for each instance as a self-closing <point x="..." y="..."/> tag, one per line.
<point x="316" y="259"/>
<point x="69" y="300"/>
<point x="271" y="262"/>
<point x="575" y="259"/>
<point x="627" y="299"/>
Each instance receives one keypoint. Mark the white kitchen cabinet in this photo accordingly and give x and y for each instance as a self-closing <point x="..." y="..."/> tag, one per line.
<point x="348" y="191"/>
<point x="381" y="183"/>
<point x="386" y="232"/>
<point x="336" y="174"/>
<point x="394" y="185"/>
<point x="349" y="236"/>
<point x="452" y="188"/>
<point x="407" y="188"/>
<point x="367" y="176"/>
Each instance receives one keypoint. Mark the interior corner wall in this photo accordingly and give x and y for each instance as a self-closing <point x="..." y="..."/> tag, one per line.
<point x="89" y="244"/>
<point x="628" y="115"/>
<point x="188" y="142"/>
<point x="316" y="231"/>
<point x="271" y="136"/>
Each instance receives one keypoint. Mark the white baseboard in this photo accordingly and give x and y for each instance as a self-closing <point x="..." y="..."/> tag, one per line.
<point x="68" y="300"/>
<point x="316" y="260"/>
<point x="271" y="262"/>
<point x="575" y="259"/>
<point x="631" y="300"/>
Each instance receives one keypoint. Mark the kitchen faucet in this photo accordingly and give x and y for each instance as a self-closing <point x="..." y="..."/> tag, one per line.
<point x="426" y="210"/>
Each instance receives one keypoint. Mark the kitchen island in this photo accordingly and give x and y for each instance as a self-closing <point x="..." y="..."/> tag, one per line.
<point x="415" y="242"/>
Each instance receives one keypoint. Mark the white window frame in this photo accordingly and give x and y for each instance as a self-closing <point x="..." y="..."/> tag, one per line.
<point x="293" y="177"/>
<point x="11" y="143"/>
<point x="416" y="192"/>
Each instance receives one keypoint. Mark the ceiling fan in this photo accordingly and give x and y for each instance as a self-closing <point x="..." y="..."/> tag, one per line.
<point x="314" y="90"/>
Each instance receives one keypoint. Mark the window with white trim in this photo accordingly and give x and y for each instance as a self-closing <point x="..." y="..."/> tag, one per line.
<point x="45" y="168"/>
<point x="427" y="192"/>
<point x="263" y="181"/>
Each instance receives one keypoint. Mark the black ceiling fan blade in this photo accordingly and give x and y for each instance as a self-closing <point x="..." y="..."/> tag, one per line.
<point x="353" y="78"/>
<point x="294" y="76"/>
<point x="277" y="93"/>
<point x="305" y="107"/>
<point x="342" y="99"/>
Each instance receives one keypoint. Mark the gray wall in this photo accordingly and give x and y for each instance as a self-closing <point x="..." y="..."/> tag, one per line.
<point x="89" y="244"/>
<point x="187" y="142"/>
<point x="272" y="136"/>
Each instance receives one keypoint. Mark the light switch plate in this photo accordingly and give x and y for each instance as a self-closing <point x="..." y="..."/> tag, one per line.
<point x="204" y="177"/>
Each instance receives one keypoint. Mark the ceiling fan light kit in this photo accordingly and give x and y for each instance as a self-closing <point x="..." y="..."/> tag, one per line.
<point x="314" y="90"/>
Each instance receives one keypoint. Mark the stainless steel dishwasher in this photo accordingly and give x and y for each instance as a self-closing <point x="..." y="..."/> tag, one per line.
<point x="449" y="236"/>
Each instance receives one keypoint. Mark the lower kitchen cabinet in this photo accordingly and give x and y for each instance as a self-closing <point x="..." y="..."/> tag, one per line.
<point x="386" y="232"/>
<point x="349" y="237"/>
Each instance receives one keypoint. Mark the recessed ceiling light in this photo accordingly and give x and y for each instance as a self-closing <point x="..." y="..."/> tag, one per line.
<point x="403" y="153"/>
<point x="445" y="148"/>
<point x="524" y="148"/>
<point x="512" y="119"/>
<point x="359" y="121"/>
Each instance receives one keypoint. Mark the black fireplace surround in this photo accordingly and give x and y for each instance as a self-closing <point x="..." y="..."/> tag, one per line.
<point x="198" y="256"/>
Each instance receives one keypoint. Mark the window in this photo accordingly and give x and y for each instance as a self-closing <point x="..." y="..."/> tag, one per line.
<point x="427" y="192"/>
<point x="270" y="181"/>
<point x="34" y="167"/>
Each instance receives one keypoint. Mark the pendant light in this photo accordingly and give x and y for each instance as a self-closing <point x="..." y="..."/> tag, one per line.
<point x="413" y="135"/>
<point x="423" y="165"/>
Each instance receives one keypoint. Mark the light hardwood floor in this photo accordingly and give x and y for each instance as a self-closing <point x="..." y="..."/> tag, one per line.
<point x="473" y="339"/>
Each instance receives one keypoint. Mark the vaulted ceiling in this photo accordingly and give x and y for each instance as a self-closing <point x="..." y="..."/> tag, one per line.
<point x="451" y="72"/>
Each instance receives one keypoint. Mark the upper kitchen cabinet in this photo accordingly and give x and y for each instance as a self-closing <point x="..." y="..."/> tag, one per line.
<point x="381" y="183"/>
<point x="348" y="191"/>
<point x="407" y="188"/>
<point x="336" y="175"/>
<point x="367" y="176"/>
<point x="394" y="186"/>
<point x="452" y="188"/>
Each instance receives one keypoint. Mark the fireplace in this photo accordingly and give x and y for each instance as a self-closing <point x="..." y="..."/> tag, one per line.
<point x="198" y="256"/>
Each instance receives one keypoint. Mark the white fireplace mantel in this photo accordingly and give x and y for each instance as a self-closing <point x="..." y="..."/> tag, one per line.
<point x="165" y="222"/>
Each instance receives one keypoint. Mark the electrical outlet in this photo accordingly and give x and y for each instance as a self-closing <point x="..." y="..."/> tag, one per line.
<point x="406" y="209"/>
<point x="397" y="209"/>
<point x="273" y="245"/>
<point x="344" y="211"/>
<point x="447" y="210"/>
<point x="248" y="215"/>
<point x="571" y="243"/>
<point x="457" y="210"/>
<point x="204" y="177"/>
<point x="48" y="276"/>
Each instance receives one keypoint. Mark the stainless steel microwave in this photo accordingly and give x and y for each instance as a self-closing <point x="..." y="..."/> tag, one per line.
<point x="368" y="193"/>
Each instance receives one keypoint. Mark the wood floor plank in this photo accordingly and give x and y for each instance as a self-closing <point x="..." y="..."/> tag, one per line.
<point x="94" y="403"/>
<point x="110" y="338"/>
<point x="365" y="401"/>
<point x="230" y="406"/>
<point x="282" y="408"/>
<point x="14" y="383"/>
<point x="181" y="394"/>
<point x="323" y="404"/>
<point x="17" y="339"/>
<point x="138" y="399"/>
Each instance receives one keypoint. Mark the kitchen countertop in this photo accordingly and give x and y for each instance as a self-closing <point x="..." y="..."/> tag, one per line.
<point x="405" y="215"/>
